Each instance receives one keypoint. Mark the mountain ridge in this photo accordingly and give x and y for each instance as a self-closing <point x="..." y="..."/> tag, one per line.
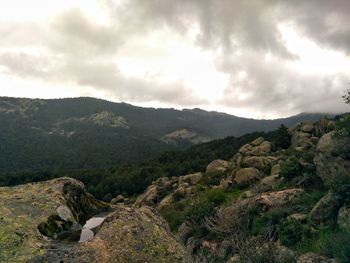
<point x="92" y="133"/>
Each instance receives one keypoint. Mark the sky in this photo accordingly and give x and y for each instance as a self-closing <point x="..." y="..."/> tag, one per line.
<point x="250" y="58"/>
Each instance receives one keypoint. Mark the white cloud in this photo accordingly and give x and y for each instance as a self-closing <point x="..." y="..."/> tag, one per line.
<point x="265" y="58"/>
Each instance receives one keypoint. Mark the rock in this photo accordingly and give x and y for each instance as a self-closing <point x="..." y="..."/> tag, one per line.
<point x="217" y="166"/>
<point x="311" y="258"/>
<point x="276" y="169"/>
<point x="332" y="157"/>
<point x="117" y="199"/>
<point x="168" y="200"/>
<point x="261" y="163"/>
<point x="279" y="198"/>
<point x="234" y="259"/>
<point x="226" y="182"/>
<point x="265" y="147"/>
<point x="299" y="217"/>
<point x="126" y="233"/>
<point x="246" y="176"/>
<point x="54" y="209"/>
<point x="155" y="192"/>
<point x="326" y="210"/>
<point x="224" y="216"/>
<point x="300" y="139"/>
<point x="245" y="149"/>
<point x="137" y="234"/>
<point x="344" y="217"/>
<point x="184" y="232"/>
<point x="192" y="179"/>
<point x="269" y="181"/>
<point x="307" y="126"/>
<point x="257" y="141"/>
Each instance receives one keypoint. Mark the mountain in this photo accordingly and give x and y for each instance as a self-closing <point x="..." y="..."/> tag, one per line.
<point x="85" y="132"/>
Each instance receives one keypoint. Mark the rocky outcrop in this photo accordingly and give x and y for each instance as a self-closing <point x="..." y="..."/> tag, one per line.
<point x="184" y="135"/>
<point x="246" y="176"/>
<point x="262" y="163"/>
<point x="332" y="158"/>
<point x="258" y="147"/>
<point x="311" y="258"/>
<point x="36" y="217"/>
<point x="155" y="192"/>
<point x="217" y="166"/>
<point x="326" y="210"/>
<point x="164" y="191"/>
<point x="344" y="217"/>
<point x="306" y="134"/>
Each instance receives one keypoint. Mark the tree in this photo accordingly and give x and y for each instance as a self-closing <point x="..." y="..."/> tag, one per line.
<point x="346" y="97"/>
<point x="283" y="138"/>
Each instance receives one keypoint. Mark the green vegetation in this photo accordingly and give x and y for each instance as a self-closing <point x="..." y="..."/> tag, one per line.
<point x="85" y="133"/>
<point x="199" y="206"/>
<point x="134" y="178"/>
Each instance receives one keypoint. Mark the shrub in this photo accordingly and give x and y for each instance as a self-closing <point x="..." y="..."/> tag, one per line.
<point x="205" y="204"/>
<point x="212" y="178"/>
<point x="342" y="126"/>
<point x="290" y="232"/>
<point x="266" y="224"/>
<point x="291" y="168"/>
<point x="341" y="186"/>
<point x="337" y="245"/>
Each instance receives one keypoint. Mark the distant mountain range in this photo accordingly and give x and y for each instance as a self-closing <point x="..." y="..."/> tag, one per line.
<point x="75" y="133"/>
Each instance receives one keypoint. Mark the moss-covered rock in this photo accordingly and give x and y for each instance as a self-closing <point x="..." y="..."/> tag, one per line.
<point x="34" y="218"/>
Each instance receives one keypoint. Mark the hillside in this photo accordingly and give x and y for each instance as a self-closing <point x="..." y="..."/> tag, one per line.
<point x="61" y="134"/>
<point x="276" y="197"/>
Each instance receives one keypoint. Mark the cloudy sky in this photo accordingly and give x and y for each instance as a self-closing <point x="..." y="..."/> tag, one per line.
<point x="252" y="58"/>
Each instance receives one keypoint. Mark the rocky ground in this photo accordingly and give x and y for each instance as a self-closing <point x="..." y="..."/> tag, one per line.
<point x="42" y="222"/>
<point x="274" y="186"/>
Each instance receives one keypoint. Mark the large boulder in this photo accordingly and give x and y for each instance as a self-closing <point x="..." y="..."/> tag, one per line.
<point x="311" y="258"/>
<point x="36" y="217"/>
<point x="224" y="217"/>
<point x="279" y="198"/>
<point x="257" y="141"/>
<point x="332" y="158"/>
<point x="301" y="139"/>
<point x="155" y="192"/>
<point x="258" y="147"/>
<point x="262" y="163"/>
<point x="217" y="166"/>
<point x="246" y="176"/>
<point x="344" y="217"/>
<point x="326" y="210"/>
<point x="192" y="179"/>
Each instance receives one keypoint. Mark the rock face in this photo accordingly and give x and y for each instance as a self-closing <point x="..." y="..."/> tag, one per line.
<point x="311" y="258"/>
<point x="332" y="157"/>
<point x="218" y="166"/>
<point x="35" y="218"/>
<point x="344" y="217"/>
<point x="326" y="210"/>
<point x="245" y="176"/>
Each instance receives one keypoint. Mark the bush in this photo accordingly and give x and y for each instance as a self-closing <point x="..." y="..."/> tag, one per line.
<point x="266" y="224"/>
<point x="342" y="126"/>
<point x="212" y="178"/>
<point x="291" y="168"/>
<point x="291" y="232"/>
<point x="341" y="186"/>
<point x="337" y="245"/>
<point x="205" y="204"/>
